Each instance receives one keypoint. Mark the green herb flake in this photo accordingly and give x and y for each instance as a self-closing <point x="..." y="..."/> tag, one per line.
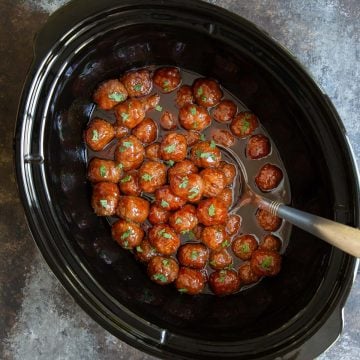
<point x="245" y="248"/>
<point x="202" y="137"/>
<point x="137" y="87"/>
<point x="103" y="203"/>
<point x="170" y="149"/>
<point x="166" y="262"/>
<point x="147" y="177"/>
<point x="193" y="111"/>
<point x="194" y="255"/>
<point x="170" y="163"/>
<point x="222" y="276"/>
<point x="164" y="204"/>
<point x="225" y="244"/>
<point x="204" y="98"/>
<point x="182" y="290"/>
<point x="178" y="221"/>
<point x="184" y="182"/>
<point x="211" y="210"/>
<point x="267" y="262"/>
<point x="102" y="171"/>
<point x="125" y="234"/>
<point x="245" y="127"/>
<point x="158" y="108"/>
<point x="212" y="144"/>
<point x="164" y="234"/>
<point x="207" y="155"/>
<point x="212" y="263"/>
<point x="126" y="179"/>
<point x="160" y="277"/>
<point x="120" y="166"/>
<point x="125" y="145"/>
<point x="166" y="83"/>
<point x="126" y="244"/>
<point x="195" y="125"/>
<point x="193" y="192"/>
<point x="200" y="91"/>
<point x="95" y="135"/>
<point x="124" y="116"/>
<point x="116" y="96"/>
<point x="139" y="249"/>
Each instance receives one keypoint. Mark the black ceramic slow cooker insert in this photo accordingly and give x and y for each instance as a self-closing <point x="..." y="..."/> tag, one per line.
<point x="294" y="315"/>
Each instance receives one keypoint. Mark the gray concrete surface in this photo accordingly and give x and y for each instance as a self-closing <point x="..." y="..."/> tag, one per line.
<point x="39" y="320"/>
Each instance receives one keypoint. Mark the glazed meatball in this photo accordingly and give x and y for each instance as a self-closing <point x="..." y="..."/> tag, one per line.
<point x="105" y="198"/>
<point x="214" y="182"/>
<point x="223" y="137"/>
<point x="184" y="167"/>
<point x="158" y="215"/>
<point x="197" y="231"/>
<point x="129" y="183"/>
<point x="207" y="92"/>
<point x="224" y="111"/>
<point x="221" y="259"/>
<point x="270" y="243"/>
<point x="152" y="152"/>
<point x="229" y="170"/>
<point x="98" y="134"/>
<point x="164" y="239"/>
<point x="265" y="263"/>
<point x="152" y="175"/>
<point x="188" y="187"/>
<point x="129" y="113"/>
<point x="151" y="102"/>
<point x="192" y="137"/>
<point x="268" y="221"/>
<point x="137" y="82"/>
<point x="133" y="208"/>
<point x="190" y="281"/>
<point x="146" y="131"/>
<point x="129" y="153"/>
<point x="173" y="147"/>
<point x="166" y="199"/>
<point x="167" y="121"/>
<point x="224" y="282"/>
<point x="215" y="237"/>
<point x="226" y="196"/>
<point x="233" y="224"/>
<point x="184" y="219"/>
<point x="212" y="211"/>
<point x="162" y="270"/>
<point x="269" y="177"/>
<point x="244" y="246"/>
<point x="244" y="124"/>
<point x="127" y="234"/>
<point x="193" y="255"/>
<point x="205" y="154"/>
<point x="145" y="252"/>
<point x="184" y="96"/>
<point x="167" y="78"/>
<point x="246" y="275"/>
<point x="109" y="94"/>
<point x="103" y="170"/>
<point x="258" y="147"/>
<point x="194" y="117"/>
<point x="120" y="131"/>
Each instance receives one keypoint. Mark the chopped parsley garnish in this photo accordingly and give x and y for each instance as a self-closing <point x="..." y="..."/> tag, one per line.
<point x="194" y="255"/>
<point x="222" y="276"/>
<point x="184" y="182"/>
<point x="170" y="148"/>
<point x="103" y="203"/>
<point x="200" y="91"/>
<point x="164" y="203"/>
<point x="147" y="177"/>
<point x="211" y="210"/>
<point x="170" y="163"/>
<point x="139" y="249"/>
<point x="116" y="96"/>
<point x="102" y="171"/>
<point x="194" y="191"/>
<point x="160" y="277"/>
<point x="126" y="244"/>
<point x="120" y="165"/>
<point x="164" y="234"/>
<point x="212" y="144"/>
<point x="190" y="233"/>
<point x="165" y="262"/>
<point x="95" y="135"/>
<point x="124" y="116"/>
<point x="202" y="137"/>
<point x="182" y="290"/>
<point x="193" y="111"/>
<point x="203" y="98"/>
<point x="178" y="221"/>
<point x="125" y="145"/>
<point x="266" y="263"/>
<point x="206" y="155"/>
<point x="166" y="83"/>
<point x="226" y="243"/>
<point x="125" y="234"/>
<point x="212" y="262"/>
<point x="158" y="108"/>
<point x="245" y="126"/>
<point x="127" y="178"/>
<point x="137" y="87"/>
<point x="245" y="248"/>
<point x="195" y="125"/>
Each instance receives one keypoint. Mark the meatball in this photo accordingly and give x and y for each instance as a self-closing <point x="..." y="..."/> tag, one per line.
<point x="190" y="281"/>
<point x="197" y="231"/>
<point x="98" y="134"/>
<point x="223" y="137"/>
<point x="133" y="208"/>
<point x="221" y="259"/>
<point x="167" y="121"/>
<point x="144" y="252"/>
<point x="246" y="275"/>
<point x="188" y="187"/>
<point x="103" y="170"/>
<point x="127" y="234"/>
<point x="265" y="263"/>
<point x="184" y="219"/>
<point x="226" y="196"/>
<point x="214" y="181"/>
<point x="105" y="198"/>
<point x="205" y="154"/>
<point x="258" y="147"/>
<point x="120" y="131"/>
<point x="164" y="239"/>
<point x="244" y="124"/>
<point x="129" y="113"/>
<point x="152" y="152"/>
<point x="271" y="243"/>
<point x="158" y="215"/>
<point x="193" y="255"/>
<point x="151" y="102"/>
<point x="212" y="211"/>
<point x="215" y="237"/>
<point x="110" y="93"/>
<point x="173" y="147"/>
<point x="269" y="177"/>
<point x="137" y="82"/>
<point x="224" y="111"/>
<point x="192" y="137"/>
<point x="224" y="282"/>
<point x="152" y="175"/>
<point x="184" y="96"/>
<point x="244" y="246"/>
<point x="129" y="183"/>
<point x="167" y="78"/>
<point x="268" y="221"/>
<point x="162" y="270"/>
<point x="229" y="170"/>
<point x="129" y="153"/>
<point x="184" y="167"/>
<point x="146" y="131"/>
<point x="233" y="224"/>
<point x="194" y="117"/>
<point x="207" y="92"/>
<point x="166" y="199"/>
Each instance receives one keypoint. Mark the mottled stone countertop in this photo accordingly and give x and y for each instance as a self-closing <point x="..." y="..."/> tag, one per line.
<point x="38" y="319"/>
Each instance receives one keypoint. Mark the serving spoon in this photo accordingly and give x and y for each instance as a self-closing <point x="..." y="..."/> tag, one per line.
<point x="344" y="237"/>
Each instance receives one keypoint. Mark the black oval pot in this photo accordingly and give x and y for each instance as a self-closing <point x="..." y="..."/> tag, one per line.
<point x="295" y="315"/>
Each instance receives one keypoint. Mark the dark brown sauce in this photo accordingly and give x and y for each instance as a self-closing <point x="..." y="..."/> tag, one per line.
<point x="247" y="213"/>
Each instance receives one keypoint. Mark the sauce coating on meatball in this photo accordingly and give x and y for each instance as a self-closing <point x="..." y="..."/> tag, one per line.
<point x="173" y="147"/>
<point x="167" y="78"/>
<point x="269" y="177"/>
<point x="207" y="92"/>
<point x="212" y="211"/>
<point x="127" y="234"/>
<point x="166" y="199"/>
<point x="265" y="263"/>
<point x="129" y="153"/>
<point x="205" y="154"/>
<point x="244" y="124"/>
<point x="145" y="252"/>
<point x="193" y="255"/>
<point x="162" y="270"/>
<point x="188" y="187"/>
<point x="271" y="243"/>
<point x="224" y="282"/>
<point x="221" y="259"/>
<point x="98" y="134"/>
<point x="214" y="181"/>
<point x="190" y="281"/>
<point x="167" y="121"/>
<point x="152" y="175"/>
<point x="224" y="111"/>
<point x="103" y="170"/>
<point x="164" y="239"/>
<point x="133" y="208"/>
<point x="158" y="215"/>
<point x="223" y="137"/>
<point x="246" y="275"/>
<point x="184" y="219"/>
<point x="194" y="117"/>
<point x="105" y="198"/>
<point x="258" y="147"/>
<point x="268" y="221"/>
<point x="215" y="237"/>
<point x="109" y="94"/>
<point x="129" y="183"/>
<point x="243" y="246"/>
<point x="184" y="96"/>
<point x="129" y="113"/>
<point x="137" y="82"/>
<point x="146" y="131"/>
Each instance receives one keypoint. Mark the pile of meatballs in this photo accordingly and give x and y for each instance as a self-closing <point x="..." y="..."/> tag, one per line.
<point x="171" y="194"/>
